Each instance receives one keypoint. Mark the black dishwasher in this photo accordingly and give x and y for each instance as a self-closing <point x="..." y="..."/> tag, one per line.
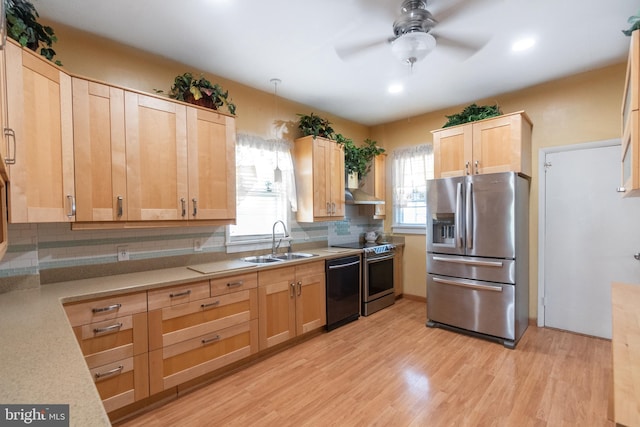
<point x="343" y="290"/>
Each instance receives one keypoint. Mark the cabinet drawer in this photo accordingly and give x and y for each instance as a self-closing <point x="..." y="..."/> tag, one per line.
<point x="189" y="359"/>
<point x="181" y="294"/>
<point x="122" y="382"/>
<point x="226" y="285"/>
<point x="172" y="325"/>
<point x="112" y="340"/>
<point x="82" y="313"/>
<point x="310" y="269"/>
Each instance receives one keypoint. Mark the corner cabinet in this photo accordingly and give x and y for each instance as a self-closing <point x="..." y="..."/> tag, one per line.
<point x="630" y="159"/>
<point x="319" y="165"/>
<point x="499" y="144"/>
<point x="39" y="114"/>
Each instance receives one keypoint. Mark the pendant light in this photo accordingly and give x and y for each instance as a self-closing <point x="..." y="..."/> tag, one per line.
<point x="277" y="173"/>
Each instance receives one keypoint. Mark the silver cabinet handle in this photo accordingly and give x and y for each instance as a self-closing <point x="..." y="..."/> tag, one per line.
<point x="211" y="340"/>
<point x="466" y="168"/>
<point x="195" y="206"/>
<point x="112" y="307"/>
<point x="328" y="208"/>
<point x="457" y="216"/>
<point x="468" y="284"/>
<point x="292" y="290"/>
<point x="119" y="206"/>
<point x="333" y="208"/>
<point x="109" y="373"/>
<point x="209" y="305"/>
<point x="11" y="134"/>
<point x="469" y="216"/>
<point x="477" y="163"/>
<point x="180" y="294"/>
<point x="235" y="284"/>
<point x="470" y="262"/>
<point x="183" y="204"/>
<point x="72" y="204"/>
<point x="107" y="329"/>
<point x="299" y="288"/>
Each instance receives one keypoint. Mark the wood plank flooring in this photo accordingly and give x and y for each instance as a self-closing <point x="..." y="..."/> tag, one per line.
<point x="388" y="369"/>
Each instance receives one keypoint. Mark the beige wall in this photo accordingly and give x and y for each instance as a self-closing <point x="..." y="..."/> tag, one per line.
<point x="577" y="109"/>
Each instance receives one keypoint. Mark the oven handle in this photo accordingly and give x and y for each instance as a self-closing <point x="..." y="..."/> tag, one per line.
<point x="468" y="284"/>
<point x="334" y="267"/>
<point x="382" y="258"/>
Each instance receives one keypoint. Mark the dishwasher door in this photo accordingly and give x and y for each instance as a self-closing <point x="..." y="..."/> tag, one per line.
<point x="343" y="290"/>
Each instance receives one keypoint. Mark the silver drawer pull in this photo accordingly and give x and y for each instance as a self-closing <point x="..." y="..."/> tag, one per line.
<point x="181" y="294"/>
<point x="211" y="340"/>
<point x="108" y="308"/>
<point x="114" y="371"/>
<point x="107" y="329"/>
<point x="211" y="304"/>
<point x="234" y="284"/>
<point x="470" y="262"/>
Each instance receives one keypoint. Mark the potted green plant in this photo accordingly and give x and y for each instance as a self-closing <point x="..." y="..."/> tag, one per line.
<point x="315" y="126"/>
<point x="357" y="160"/>
<point x="472" y="113"/>
<point x="200" y="91"/>
<point x="635" y="24"/>
<point x="23" y="26"/>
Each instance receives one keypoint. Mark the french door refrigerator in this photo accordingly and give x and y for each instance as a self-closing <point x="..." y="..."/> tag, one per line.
<point x="478" y="255"/>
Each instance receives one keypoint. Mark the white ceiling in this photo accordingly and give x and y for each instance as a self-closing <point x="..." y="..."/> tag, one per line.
<point x="254" y="41"/>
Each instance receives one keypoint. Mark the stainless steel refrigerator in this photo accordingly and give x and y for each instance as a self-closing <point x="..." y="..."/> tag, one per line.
<point x="478" y="255"/>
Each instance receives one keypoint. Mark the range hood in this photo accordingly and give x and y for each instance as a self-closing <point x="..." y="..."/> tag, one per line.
<point x="355" y="196"/>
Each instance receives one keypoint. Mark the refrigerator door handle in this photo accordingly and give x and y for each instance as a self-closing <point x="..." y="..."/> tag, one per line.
<point x="469" y="215"/>
<point x="468" y="284"/>
<point x="470" y="262"/>
<point x="457" y="216"/>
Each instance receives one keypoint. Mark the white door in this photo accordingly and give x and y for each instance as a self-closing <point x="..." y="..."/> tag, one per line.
<point x="591" y="236"/>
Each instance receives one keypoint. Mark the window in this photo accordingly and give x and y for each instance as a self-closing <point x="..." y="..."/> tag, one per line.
<point x="411" y="168"/>
<point x="265" y="190"/>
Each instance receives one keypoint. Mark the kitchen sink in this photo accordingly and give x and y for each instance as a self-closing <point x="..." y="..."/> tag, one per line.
<point x="261" y="259"/>
<point x="290" y="256"/>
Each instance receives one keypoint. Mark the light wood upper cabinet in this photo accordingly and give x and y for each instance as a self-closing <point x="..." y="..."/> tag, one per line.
<point x="319" y="165"/>
<point x="212" y="154"/>
<point x="99" y="151"/>
<point x="630" y="159"/>
<point x="40" y="113"/>
<point x="291" y="302"/>
<point x="499" y="144"/>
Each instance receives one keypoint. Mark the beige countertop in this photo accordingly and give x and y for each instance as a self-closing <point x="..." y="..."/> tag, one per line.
<point x="41" y="360"/>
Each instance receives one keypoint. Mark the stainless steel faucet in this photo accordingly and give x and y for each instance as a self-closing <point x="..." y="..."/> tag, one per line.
<point x="275" y="247"/>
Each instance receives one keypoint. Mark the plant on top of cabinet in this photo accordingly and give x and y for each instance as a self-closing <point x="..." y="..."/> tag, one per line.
<point x="315" y="126"/>
<point x="200" y="91"/>
<point x="358" y="159"/>
<point x="23" y="27"/>
<point x="472" y="113"/>
<point x="635" y="24"/>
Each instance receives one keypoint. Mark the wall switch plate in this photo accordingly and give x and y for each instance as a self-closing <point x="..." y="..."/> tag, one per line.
<point x="123" y="253"/>
<point x="197" y="245"/>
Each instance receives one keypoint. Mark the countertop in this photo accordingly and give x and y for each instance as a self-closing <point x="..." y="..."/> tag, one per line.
<point x="41" y="360"/>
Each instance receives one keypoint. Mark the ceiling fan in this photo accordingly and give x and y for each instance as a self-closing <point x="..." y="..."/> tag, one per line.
<point x="414" y="36"/>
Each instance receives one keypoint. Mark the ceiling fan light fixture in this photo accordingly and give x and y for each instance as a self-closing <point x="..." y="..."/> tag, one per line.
<point x="413" y="46"/>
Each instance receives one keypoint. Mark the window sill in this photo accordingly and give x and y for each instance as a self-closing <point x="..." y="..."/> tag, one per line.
<point x="409" y="229"/>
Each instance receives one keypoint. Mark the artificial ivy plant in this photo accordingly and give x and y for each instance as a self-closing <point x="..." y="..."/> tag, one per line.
<point x="311" y="124"/>
<point x="23" y="27"/>
<point x="472" y="113"/>
<point x="358" y="159"/>
<point x="200" y="91"/>
<point x="635" y="24"/>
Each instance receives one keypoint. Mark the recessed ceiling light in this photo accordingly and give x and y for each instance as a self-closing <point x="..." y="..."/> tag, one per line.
<point x="395" y="88"/>
<point x="523" y="44"/>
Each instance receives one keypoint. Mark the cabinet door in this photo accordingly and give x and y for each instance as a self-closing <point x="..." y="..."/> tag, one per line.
<point x="310" y="297"/>
<point x="631" y="156"/>
<point x="452" y="151"/>
<point x="99" y="151"/>
<point x="323" y="155"/>
<point x="40" y="113"/>
<point x="502" y="144"/>
<point x="156" y="158"/>
<point x="276" y="306"/>
<point x="337" y="179"/>
<point x="212" y="174"/>
<point x="379" y="184"/>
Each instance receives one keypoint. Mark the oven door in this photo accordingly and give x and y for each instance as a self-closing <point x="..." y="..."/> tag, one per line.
<point x="378" y="277"/>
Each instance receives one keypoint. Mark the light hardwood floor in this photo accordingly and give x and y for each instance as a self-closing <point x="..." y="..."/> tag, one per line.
<point x="388" y="369"/>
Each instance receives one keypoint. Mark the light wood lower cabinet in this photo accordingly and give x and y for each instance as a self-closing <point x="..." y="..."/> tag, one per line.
<point x="292" y="302"/>
<point x="112" y="333"/>
<point x="192" y="333"/>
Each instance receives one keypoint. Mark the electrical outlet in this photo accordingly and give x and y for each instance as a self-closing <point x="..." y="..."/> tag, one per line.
<point x="197" y="245"/>
<point x="123" y="253"/>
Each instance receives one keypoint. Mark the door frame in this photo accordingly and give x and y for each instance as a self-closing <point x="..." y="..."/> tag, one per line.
<point x="542" y="156"/>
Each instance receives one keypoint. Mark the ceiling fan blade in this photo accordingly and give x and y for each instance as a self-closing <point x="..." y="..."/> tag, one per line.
<point x="347" y="52"/>
<point x="463" y="48"/>
<point x="450" y="12"/>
